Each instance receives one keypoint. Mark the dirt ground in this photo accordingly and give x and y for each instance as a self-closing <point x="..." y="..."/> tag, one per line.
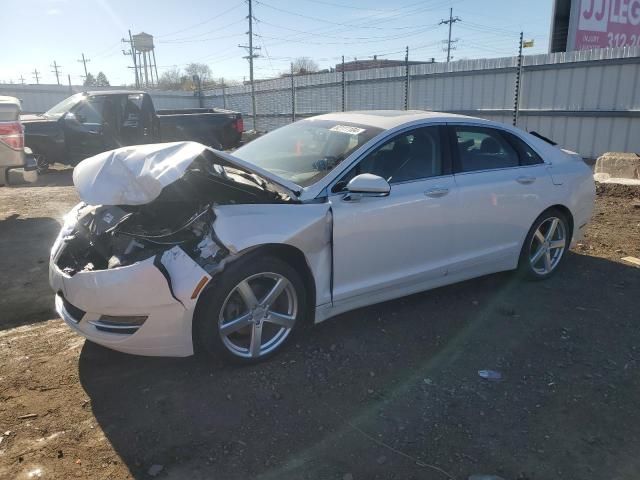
<point x="391" y="391"/>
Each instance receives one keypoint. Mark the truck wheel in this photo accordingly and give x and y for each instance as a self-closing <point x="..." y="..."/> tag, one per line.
<point x="251" y="312"/>
<point x="43" y="163"/>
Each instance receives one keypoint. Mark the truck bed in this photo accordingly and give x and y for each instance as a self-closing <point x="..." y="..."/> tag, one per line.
<point x="215" y="127"/>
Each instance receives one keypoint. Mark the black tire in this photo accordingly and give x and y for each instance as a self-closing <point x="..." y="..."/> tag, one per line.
<point x="539" y="270"/>
<point x="207" y="337"/>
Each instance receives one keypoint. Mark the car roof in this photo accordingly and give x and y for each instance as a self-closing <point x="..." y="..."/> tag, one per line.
<point x="388" y="119"/>
<point x="9" y="100"/>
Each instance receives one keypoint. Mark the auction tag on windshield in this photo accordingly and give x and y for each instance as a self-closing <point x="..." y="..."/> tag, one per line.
<point x="347" y="129"/>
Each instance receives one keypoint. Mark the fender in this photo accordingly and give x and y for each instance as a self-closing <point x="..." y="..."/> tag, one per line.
<point x="306" y="226"/>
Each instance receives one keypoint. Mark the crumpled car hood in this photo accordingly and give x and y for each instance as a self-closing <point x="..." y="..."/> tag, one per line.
<point x="136" y="175"/>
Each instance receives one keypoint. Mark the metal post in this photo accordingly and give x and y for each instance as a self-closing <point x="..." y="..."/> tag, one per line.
<point x="406" y="79"/>
<point x="343" y="86"/>
<point x="139" y="54"/>
<point x="198" y="82"/>
<point x="155" y="66"/>
<point x="224" y="94"/>
<point x="70" y="87"/>
<point x="293" y="96"/>
<point x="146" y="76"/>
<point x="516" y="104"/>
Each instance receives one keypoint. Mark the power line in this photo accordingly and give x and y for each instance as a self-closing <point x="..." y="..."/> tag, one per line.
<point x="450" y="22"/>
<point x="200" y="35"/>
<point x="201" y="23"/>
<point x="349" y="25"/>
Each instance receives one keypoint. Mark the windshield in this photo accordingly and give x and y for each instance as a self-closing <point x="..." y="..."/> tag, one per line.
<point x="305" y="151"/>
<point x="64" y="106"/>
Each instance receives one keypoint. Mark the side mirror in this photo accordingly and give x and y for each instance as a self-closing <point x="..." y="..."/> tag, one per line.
<point x="70" y="118"/>
<point x="368" y="185"/>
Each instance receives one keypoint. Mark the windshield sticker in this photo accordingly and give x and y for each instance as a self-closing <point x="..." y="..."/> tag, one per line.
<point x="347" y="129"/>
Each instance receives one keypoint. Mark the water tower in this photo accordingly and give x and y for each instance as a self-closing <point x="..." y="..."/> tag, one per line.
<point x="144" y="50"/>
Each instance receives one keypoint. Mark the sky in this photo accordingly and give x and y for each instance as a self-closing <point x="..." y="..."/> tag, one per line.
<point x="209" y="31"/>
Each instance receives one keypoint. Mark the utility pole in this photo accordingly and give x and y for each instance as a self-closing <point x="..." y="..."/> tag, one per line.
<point x="84" y="63"/>
<point x="250" y="48"/>
<point x="35" y="75"/>
<point x="450" y="22"/>
<point x="56" y="67"/>
<point x="132" y="52"/>
<point x="21" y="79"/>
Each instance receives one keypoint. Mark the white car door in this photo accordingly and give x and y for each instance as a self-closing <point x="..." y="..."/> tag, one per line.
<point x="502" y="186"/>
<point x="389" y="245"/>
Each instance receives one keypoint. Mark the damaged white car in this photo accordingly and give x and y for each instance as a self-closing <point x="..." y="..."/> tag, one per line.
<point x="177" y="247"/>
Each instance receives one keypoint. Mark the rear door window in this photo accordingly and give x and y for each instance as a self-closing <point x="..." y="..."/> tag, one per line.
<point x="528" y="156"/>
<point x="481" y="148"/>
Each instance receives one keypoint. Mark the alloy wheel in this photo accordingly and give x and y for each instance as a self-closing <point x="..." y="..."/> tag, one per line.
<point x="547" y="246"/>
<point x="258" y="315"/>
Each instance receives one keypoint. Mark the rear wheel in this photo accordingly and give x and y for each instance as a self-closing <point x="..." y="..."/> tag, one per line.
<point x="545" y="245"/>
<point x="252" y="311"/>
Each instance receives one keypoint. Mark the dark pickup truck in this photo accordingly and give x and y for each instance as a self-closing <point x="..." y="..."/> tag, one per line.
<point x="92" y="122"/>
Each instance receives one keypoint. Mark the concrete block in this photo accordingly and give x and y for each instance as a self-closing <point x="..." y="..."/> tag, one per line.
<point x="619" y="165"/>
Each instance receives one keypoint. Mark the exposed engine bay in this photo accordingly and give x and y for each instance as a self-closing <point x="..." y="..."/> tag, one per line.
<point x="106" y="237"/>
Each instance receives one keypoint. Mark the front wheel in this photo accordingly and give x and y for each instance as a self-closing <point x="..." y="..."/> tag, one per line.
<point x="545" y="245"/>
<point x="252" y="311"/>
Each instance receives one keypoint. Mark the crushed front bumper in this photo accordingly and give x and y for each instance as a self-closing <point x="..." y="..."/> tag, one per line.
<point x="162" y="294"/>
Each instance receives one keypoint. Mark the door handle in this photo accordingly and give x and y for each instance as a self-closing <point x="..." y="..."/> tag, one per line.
<point x="437" y="192"/>
<point x="525" y="180"/>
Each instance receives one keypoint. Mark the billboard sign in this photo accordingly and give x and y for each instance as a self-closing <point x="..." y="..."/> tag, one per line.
<point x="604" y="24"/>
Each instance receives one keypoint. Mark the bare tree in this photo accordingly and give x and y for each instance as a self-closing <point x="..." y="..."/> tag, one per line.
<point x="172" y="79"/>
<point x="201" y="69"/>
<point x="302" y="65"/>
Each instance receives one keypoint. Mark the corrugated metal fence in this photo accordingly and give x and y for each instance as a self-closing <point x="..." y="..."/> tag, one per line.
<point x="587" y="101"/>
<point x="40" y="98"/>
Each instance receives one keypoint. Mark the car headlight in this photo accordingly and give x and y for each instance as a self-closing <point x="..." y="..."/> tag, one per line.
<point x="69" y="222"/>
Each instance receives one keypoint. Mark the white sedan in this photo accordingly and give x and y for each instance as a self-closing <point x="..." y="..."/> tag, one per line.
<point x="178" y="248"/>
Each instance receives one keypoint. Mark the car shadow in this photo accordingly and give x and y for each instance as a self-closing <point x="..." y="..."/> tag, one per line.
<point x="25" y="244"/>
<point x="385" y="390"/>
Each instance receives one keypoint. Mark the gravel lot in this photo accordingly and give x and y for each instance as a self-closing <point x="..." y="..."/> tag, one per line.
<point x="389" y="391"/>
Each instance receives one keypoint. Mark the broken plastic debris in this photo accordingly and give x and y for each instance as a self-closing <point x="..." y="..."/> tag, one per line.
<point x="632" y="260"/>
<point x="490" y="374"/>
